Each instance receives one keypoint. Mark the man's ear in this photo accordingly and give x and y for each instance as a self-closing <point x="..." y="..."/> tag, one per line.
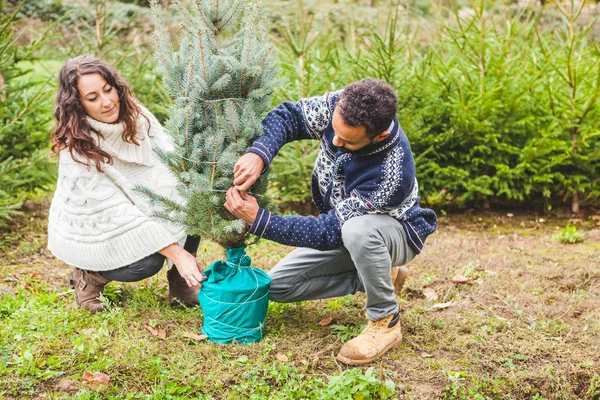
<point x="381" y="136"/>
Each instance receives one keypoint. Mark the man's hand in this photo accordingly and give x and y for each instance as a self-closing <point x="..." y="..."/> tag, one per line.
<point x="242" y="205"/>
<point x="246" y="171"/>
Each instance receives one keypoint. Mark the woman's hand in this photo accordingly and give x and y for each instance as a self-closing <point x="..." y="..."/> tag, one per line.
<point x="189" y="268"/>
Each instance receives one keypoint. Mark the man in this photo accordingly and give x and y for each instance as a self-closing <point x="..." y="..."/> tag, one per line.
<point x="365" y="188"/>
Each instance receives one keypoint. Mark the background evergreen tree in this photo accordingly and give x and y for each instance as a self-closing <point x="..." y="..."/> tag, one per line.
<point x="25" y="115"/>
<point x="221" y="79"/>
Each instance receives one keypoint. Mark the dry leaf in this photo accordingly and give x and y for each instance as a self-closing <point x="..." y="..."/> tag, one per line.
<point x="158" y="332"/>
<point x="510" y="215"/>
<point x="281" y="357"/>
<point x="462" y="279"/>
<point x="426" y="355"/>
<point x="194" y="336"/>
<point x="430" y="294"/>
<point x="325" y="321"/>
<point x="596" y="217"/>
<point x="66" y="385"/>
<point x="441" y="306"/>
<point x="96" y="380"/>
<point x="575" y="220"/>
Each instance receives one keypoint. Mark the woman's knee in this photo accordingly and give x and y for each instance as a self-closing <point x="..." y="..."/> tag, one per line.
<point x="137" y="271"/>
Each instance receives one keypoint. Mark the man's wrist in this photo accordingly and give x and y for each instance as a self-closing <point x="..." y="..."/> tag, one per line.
<point x="250" y="220"/>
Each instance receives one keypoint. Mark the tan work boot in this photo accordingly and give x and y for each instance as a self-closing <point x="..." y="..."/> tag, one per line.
<point x="88" y="288"/>
<point x="179" y="291"/>
<point x="399" y="275"/>
<point x="374" y="341"/>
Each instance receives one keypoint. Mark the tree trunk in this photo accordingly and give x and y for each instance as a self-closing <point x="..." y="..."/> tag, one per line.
<point x="575" y="203"/>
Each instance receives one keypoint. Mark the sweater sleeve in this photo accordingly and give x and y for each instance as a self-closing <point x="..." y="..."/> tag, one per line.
<point x="321" y="233"/>
<point x="305" y="119"/>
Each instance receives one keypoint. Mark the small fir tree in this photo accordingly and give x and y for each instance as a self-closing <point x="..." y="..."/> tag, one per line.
<point x="221" y="79"/>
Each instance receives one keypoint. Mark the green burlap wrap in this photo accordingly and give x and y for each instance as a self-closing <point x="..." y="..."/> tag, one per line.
<point x="234" y="299"/>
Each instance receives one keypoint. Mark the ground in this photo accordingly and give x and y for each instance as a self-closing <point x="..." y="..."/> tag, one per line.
<point x="524" y="325"/>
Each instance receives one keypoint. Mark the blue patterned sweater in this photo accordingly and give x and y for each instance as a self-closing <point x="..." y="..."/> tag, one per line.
<point x="377" y="179"/>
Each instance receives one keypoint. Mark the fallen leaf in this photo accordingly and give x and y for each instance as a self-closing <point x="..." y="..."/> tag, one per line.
<point x="510" y="215"/>
<point x="66" y="385"/>
<point x="194" y="336"/>
<point x="158" y="332"/>
<point x="281" y="357"/>
<point x="493" y="273"/>
<point x="430" y="294"/>
<point x="462" y="279"/>
<point x="575" y="220"/>
<point x="441" y="306"/>
<point x="325" y="321"/>
<point x="541" y="220"/>
<point x="596" y="217"/>
<point x="426" y="355"/>
<point x="96" y="380"/>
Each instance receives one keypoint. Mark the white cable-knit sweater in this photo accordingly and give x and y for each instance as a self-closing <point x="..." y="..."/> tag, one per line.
<point x="97" y="221"/>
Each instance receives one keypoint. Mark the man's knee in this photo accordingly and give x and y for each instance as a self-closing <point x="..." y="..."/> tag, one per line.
<point x="359" y="231"/>
<point x="280" y="287"/>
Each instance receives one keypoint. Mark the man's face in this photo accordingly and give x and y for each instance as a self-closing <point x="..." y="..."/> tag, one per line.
<point x="349" y="138"/>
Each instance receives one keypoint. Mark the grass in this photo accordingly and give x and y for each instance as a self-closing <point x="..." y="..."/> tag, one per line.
<point x="527" y="327"/>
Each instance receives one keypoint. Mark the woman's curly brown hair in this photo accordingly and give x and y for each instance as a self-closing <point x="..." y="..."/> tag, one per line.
<point x="73" y="131"/>
<point x="370" y="103"/>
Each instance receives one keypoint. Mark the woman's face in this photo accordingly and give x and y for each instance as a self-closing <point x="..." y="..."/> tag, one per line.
<point x="99" y="99"/>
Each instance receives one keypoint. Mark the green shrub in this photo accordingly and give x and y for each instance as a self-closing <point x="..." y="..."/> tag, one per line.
<point x="568" y="235"/>
<point x="354" y="384"/>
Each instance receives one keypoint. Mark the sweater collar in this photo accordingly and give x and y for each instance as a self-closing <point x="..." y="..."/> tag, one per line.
<point x="109" y="138"/>
<point x="383" y="145"/>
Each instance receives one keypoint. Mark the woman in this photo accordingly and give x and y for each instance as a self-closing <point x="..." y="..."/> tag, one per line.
<point x="98" y="223"/>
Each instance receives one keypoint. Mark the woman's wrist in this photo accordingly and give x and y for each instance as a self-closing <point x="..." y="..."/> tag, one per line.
<point x="173" y="252"/>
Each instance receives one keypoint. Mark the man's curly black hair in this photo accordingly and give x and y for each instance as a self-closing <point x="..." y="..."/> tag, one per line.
<point x="370" y="103"/>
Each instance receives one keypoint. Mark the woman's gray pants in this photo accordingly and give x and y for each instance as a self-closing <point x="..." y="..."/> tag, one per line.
<point x="372" y="245"/>
<point x="148" y="266"/>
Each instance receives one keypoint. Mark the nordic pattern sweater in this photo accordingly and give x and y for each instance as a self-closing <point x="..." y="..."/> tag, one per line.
<point x="378" y="179"/>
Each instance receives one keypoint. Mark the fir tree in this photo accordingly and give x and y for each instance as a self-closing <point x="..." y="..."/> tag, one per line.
<point x="25" y="115"/>
<point x="221" y="79"/>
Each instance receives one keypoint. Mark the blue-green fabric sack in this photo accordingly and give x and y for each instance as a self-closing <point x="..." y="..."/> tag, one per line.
<point x="234" y="299"/>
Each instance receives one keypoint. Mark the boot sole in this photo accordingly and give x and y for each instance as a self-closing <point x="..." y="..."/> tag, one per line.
<point x="350" y="361"/>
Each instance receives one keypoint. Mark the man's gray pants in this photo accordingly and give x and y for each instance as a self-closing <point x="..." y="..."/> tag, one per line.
<point x="372" y="245"/>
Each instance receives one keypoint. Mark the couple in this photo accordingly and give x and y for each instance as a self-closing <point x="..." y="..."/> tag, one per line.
<point x="370" y="223"/>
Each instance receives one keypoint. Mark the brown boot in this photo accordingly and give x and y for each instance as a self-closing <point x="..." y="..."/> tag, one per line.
<point x="88" y="288"/>
<point x="376" y="340"/>
<point x="399" y="275"/>
<point x="179" y="291"/>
